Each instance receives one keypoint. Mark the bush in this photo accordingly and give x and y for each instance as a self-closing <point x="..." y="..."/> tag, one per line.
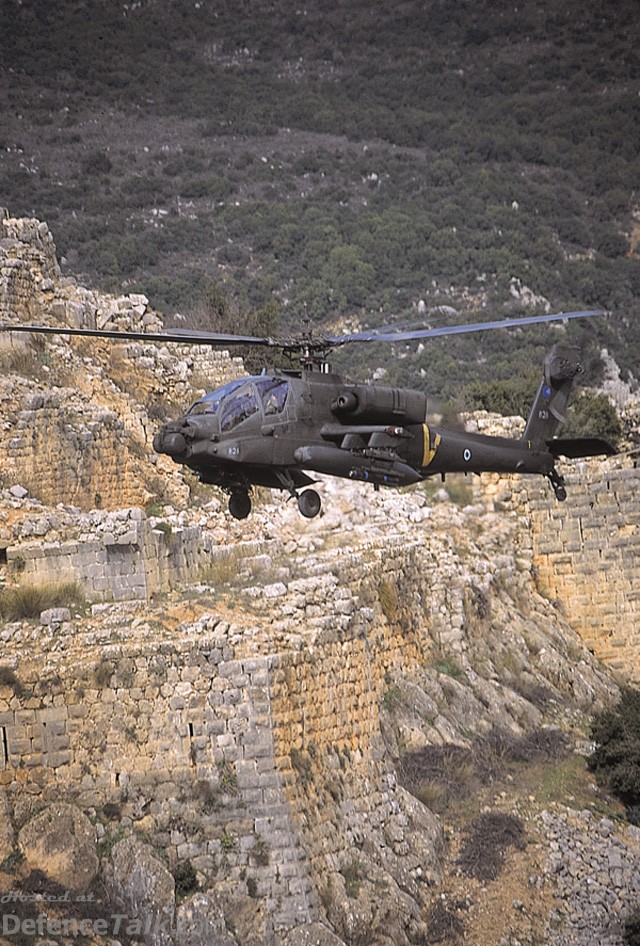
<point x="445" y="926"/>
<point x="489" y="837"/>
<point x="9" y="679"/>
<point x="185" y="879"/>
<point x="631" y="935"/>
<point x="96" y="163"/>
<point x="616" y="758"/>
<point x="592" y="415"/>
<point x="509" y="398"/>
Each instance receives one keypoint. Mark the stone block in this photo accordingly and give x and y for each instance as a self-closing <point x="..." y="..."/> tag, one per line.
<point x="25" y="717"/>
<point x="257" y="745"/>
<point x="57" y="743"/>
<point x="59" y="758"/>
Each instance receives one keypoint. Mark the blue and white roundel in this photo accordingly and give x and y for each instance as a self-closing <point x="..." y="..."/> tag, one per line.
<point x="546" y="392"/>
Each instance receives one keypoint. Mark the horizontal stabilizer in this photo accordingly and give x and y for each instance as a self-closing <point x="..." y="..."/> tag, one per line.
<point x="580" y="447"/>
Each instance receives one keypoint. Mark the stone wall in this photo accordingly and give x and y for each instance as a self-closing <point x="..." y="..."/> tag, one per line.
<point x="182" y="732"/>
<point x="28" y="267"/>
<point x="253" y="737"/>
<point x="586" y="553"/>
<point x="125" y="558"/>
<point x="207" y="736"/>
<point x="79" y="415"/>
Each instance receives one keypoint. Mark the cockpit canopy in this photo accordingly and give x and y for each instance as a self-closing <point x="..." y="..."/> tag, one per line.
<point x="240" y="399"/>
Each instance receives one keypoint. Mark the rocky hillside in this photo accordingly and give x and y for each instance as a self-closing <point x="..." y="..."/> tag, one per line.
<point x="340" y="161"/>
<point x="367" y="728"/>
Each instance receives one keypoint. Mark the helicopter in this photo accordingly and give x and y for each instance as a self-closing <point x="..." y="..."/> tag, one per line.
<point x="279" y="428"/>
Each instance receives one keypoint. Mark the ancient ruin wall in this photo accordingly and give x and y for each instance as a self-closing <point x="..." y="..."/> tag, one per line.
<point x="121" y="556"/>
<point x="586" y="553"/>
<point x="216" y="728"/>
<point x="78" y="417"/>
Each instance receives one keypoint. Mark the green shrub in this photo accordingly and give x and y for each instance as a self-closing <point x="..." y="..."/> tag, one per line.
<point x="302" y="765"/>
<point x="185" y="879"/>
<point x="592" y="415"/>
<point x="103" y="672"/>
<point x="512" y="397"/>
<point x="207" y="795"/>
<point x="616" y="758"/>
<point x="97" y="162"/>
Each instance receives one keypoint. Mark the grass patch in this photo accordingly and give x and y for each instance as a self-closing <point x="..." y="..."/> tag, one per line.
<point x="353" y="878"/>
<point x="447" y="778"/>
<point x="224" y="566"/>
<point x="443" y="663"/>
<point x="25" y="359"/>
<point x="391" y="698"/>
<point x="28" y="601"/>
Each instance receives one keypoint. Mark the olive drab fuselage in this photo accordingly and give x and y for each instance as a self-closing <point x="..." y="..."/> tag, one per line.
<point x="279" y="428"/>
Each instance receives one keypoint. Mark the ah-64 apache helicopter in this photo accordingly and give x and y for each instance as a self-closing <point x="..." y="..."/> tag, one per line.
<point x="275" y="429"/>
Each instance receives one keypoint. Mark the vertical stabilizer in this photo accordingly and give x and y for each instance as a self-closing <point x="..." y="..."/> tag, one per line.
<point x="561" y="366"/>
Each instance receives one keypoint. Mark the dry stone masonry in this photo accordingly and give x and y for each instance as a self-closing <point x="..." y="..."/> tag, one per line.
<point x="80" y="425"/>
<point x="231" y="705"/>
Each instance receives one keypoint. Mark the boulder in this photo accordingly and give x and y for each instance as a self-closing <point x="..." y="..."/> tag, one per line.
<point x="146" y="889"/>
<point x="200" y="922"/>
<point x="61" y="842"/>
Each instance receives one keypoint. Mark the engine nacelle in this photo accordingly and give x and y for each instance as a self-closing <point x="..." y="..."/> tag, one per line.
<point x="369" y="404"/>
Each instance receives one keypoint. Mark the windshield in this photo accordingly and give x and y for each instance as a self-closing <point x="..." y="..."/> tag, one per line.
<point x="273" y="394"/>
<point x="210" y="402"/>
<point x="238" y="407"/>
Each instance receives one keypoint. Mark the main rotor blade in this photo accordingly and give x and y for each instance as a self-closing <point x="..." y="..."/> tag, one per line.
<point x="185" y="336"/>
<point x="386" y="333"/>
<point x="308" y="342"/>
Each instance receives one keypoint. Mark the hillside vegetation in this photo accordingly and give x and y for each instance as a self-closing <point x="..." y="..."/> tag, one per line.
<point x="344" y="161"/>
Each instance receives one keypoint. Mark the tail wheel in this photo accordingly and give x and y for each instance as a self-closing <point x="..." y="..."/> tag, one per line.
<point x="239" y="505"/>
<point x="309" y="503"/>
<point x="557" y="482"/>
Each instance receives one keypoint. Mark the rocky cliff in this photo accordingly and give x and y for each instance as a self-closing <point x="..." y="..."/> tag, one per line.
<point x="286" y="731"/>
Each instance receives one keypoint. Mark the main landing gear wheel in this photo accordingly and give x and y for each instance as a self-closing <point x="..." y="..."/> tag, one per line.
<point x="239" y="505"/>
<point x="309" y="503"/>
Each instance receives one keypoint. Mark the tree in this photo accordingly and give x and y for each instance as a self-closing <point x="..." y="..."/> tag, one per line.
<point x="592" y="415"/>
<point x="616" y="758"/>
